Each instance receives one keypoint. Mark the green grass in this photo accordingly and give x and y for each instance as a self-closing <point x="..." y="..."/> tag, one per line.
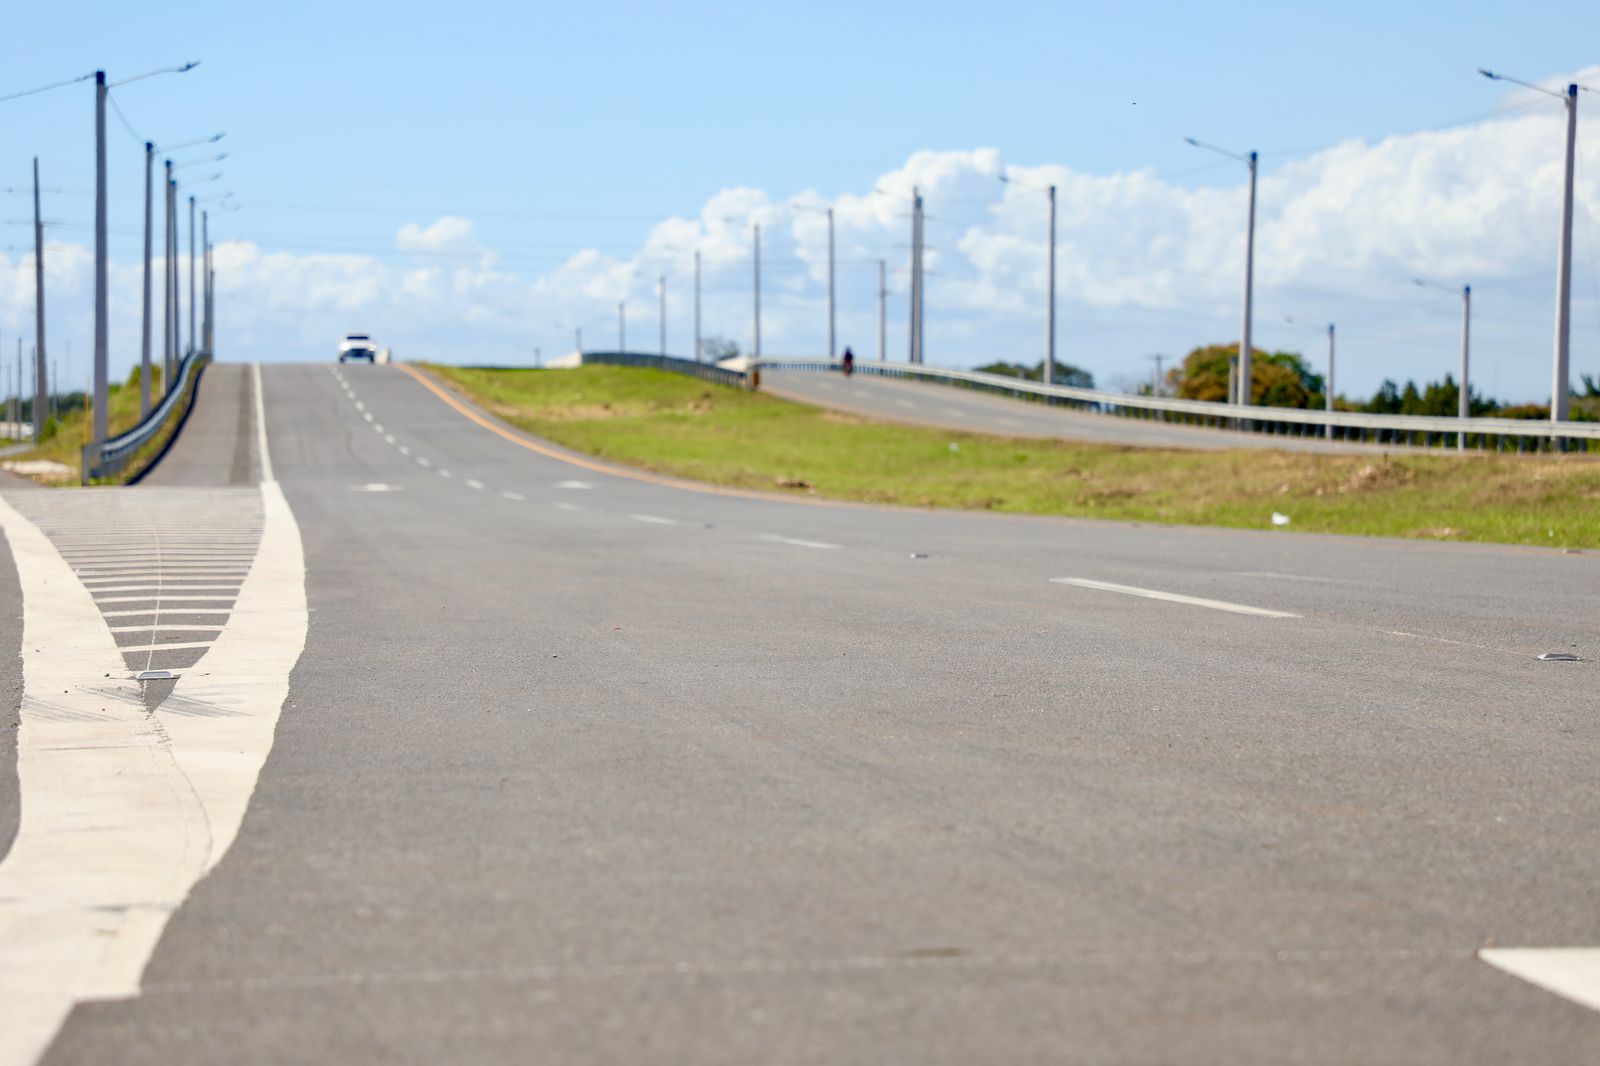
<point x="65" y="444"/>
<point x="677" y="425"/>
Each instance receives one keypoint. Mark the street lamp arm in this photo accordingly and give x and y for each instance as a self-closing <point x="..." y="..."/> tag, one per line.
<point x="184" y="69"/>
<point x="46" y="88"/>
<point x="165" y="149"/>
<point x="1492" y="76"/>
<point x="1219" y="151"/>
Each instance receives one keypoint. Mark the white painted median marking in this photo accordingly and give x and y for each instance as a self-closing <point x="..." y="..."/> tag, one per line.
<point x="573" y="485"/>
<point x="123" y="810"/>
<point x="797" y="542"/>
<point x="1573" y="973"/>
<point x="655" y="520"/>
<point x="1172" y="597"/>
<point x="509" y="495"/>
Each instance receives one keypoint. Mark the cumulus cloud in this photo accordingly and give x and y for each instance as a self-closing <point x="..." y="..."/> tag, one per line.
<point x="1145" y="264"/>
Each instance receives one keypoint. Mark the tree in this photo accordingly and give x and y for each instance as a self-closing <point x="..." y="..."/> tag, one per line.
<point x="1066" y="374"/>
<point x="717" y="349"/>
<point x="1277" y="379"/>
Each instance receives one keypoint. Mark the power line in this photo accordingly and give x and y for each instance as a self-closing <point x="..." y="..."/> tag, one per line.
<point x="47" y="88"/>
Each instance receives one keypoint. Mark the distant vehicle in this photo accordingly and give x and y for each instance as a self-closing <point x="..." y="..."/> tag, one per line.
<point x="357" y="346"/>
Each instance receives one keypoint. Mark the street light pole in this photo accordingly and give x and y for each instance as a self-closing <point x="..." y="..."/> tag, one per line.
<point x="1246" y="381"/>
<point x="191" y="273"/>
<point x="1050" y="326"/>
<point x="41" y="380"/>
<point x="756" y="346"/>
<point x="1561" y="385"/>
<point x="205" y="284"/>
<point x="149" y="238"/>
<point x="1463" y="404"/>
<point x="1245" y="392"/>
<point x="831" y="345"/>
<point x="883" y="294"/>
<point x="914" y="330"/>
<point x="661" y="291"/>
<point x="622" y="325"/>
<point x="1328" y="398"/>
<point x="699" y="345"/>
<point x="101" y="323"/>
<point x="169" y="322"/>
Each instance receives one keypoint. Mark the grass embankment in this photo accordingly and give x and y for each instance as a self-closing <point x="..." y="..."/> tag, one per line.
<point x="677" y="425"/>
<point x="63" y="442"/>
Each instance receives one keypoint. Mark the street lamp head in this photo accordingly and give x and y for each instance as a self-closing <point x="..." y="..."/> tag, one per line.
<point x="1491" y="75"/>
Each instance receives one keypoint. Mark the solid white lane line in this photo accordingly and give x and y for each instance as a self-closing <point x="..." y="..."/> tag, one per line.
<point x="509" y="495"/>
<point x="797" y="542"/>
<point x="1572" y="973"/>
<point x="473" y="483"/>
<point x="1172" y="597"/>
<point x="656" y="520"/>
<point x="163" y="610"/>
<point x="211" y="586"/>
<point x="166" y="601"/>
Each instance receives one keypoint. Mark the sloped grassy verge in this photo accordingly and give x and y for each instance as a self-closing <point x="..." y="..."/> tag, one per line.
<point x="675" y="425"/>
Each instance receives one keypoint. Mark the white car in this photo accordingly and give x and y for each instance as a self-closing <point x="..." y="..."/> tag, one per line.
<point x="357" y="346"/>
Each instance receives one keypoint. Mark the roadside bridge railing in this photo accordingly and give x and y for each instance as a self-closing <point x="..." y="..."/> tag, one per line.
<point x="1500" y="434"/>
<point x="704" y="371"/>
<point x="113" y="455"/>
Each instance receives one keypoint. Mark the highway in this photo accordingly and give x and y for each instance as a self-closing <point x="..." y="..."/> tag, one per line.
<point x="943" y="407"/>
<point x="570" y="765"/>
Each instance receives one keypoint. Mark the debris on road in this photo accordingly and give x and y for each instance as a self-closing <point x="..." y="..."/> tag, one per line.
<point x="1279" y="519"/>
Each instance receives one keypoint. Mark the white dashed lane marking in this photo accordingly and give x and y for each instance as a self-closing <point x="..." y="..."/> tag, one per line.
<point x="1172" y="597"/>
<point x="509" y="495"/>
<point x="797" y="541"/>
<point x="655" y="520"/>
<point x="473" y="483"/>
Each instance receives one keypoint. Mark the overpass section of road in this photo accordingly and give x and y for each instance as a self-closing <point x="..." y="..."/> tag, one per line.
<point x="944" y="407"/>
<point x="584" y="766"/>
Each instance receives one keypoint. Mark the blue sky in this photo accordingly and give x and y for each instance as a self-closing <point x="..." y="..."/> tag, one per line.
<point x="556" y="131"/>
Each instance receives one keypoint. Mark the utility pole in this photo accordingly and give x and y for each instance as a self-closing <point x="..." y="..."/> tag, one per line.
<point x="101" y="323"/>
<point x="1328" y="429"/>
<point x="1155" y="384"/>
<point x="622" y="325"/>
<point x="1463" y="404"/>
<point x="1246" y="381"/>
<point x="577" y="340"/>
<point x="756" y="346"/>
<point x="144" y="352"/>
<point x="916" y="277"/>
<point x="661" y="292"/>
<point x="883" y="295"/>
<point x="831" y="321"/>
<point x="41" y="380"/>
<point x="1050" y="325"/>
<point x="191" y="274"/>
<point x="1561" y="385"/>
<point x="699" y="345"/>
<point x="169" y="296"/>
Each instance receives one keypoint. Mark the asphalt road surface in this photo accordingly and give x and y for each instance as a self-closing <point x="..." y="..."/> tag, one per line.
<point x="577" y="767"/>
<point x="944" y="407"/>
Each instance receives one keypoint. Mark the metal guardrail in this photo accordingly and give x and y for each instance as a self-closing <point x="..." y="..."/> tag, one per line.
<point x="115" y="453"/>
<point x="705" y="371"/>
<point x="1354" y="426"/>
